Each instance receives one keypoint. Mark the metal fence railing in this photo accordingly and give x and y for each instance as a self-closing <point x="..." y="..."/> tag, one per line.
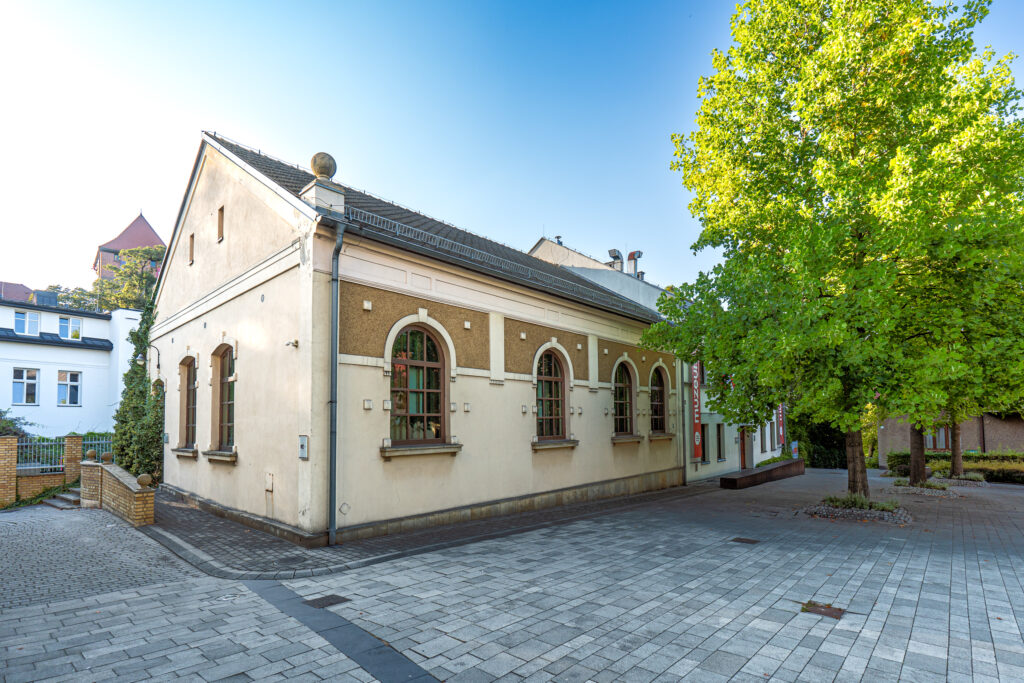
<point x="101" y="446"/>
<point x="40" y="455"/>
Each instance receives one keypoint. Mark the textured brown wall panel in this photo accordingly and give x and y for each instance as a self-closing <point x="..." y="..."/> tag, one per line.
<point x="606" y="361"/>
<point x="363" y="333"/>
<point x="519" y="353"/>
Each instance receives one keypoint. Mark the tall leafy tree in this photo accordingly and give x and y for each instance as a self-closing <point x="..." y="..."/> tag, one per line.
<point x="138" y="421"/>
<point x="134" y="279"/>
<point x="844" y="149"/>
<point x="77" y="297"/>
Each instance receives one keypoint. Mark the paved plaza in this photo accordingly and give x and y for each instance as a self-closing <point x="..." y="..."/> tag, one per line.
<point x="647" y="589"/>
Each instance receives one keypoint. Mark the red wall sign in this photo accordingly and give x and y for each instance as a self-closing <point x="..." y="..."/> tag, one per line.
<point x="780" y="418"/>
<point x="698" y="447"/>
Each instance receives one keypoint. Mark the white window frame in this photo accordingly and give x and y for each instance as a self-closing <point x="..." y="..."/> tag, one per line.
<point x="24" y="381"/>
<point x="28" y="318"/>
<point x="74" y="325"/>
<point x="67" y="383"/>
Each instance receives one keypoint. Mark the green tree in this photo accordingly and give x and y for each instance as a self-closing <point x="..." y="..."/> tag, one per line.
<point x="78" y="297"/>
<point x="12" y="425"/>
<point x="138" y="421"/>
<point x="134" y="279"/>
<point x="842" y="149"/>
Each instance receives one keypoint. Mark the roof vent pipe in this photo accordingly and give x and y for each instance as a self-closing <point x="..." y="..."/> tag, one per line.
<point x="634" y="256"/>
<point x="616" y="261"/>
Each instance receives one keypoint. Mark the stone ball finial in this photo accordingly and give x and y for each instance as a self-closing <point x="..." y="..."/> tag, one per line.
<point x="324" y="166"/>
<point x="144" y="480"/>
<point x="90" y="454"/>
<point x="107" y="457"/>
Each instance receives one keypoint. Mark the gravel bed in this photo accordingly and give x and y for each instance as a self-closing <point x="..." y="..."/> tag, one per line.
<point x="960" y="482"/>
<point x="918" y="491"/>
<point x="901" y="516"/>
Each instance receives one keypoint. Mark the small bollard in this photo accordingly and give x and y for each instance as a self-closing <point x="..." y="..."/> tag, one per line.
<point x="144" y="480"/>
<point x="107" y="457"/>
<point x="90" y="455"/>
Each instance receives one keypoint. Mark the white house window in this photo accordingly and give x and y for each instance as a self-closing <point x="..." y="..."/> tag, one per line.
<point x="69" y="388"/>
<point x="24" y="388"/>
<point x="26" y="322"/>
<point x="70" y="328"/>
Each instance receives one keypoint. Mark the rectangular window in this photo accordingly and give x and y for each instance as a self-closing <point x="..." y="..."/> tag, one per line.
<point x="26" y="322"/>
<point x="764" y="444"/>
<point x="188" y="374"/>
<point x="705" y="454"/>
<point x="24" y="388"/>
<point x="191" y="249"/>
<point x="227" y="401"/>
<point x="220" y="224"/>
<point x="70" y="328"/>
<point x="771" y="427"/>
<point x="720" y="441"/>
<point x="69" y="388"/>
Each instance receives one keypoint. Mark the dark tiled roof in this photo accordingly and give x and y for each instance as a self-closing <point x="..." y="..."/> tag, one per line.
<point x="50" y="339"/>
<point x="55" y="309"/>
<point x="479" y="253"/>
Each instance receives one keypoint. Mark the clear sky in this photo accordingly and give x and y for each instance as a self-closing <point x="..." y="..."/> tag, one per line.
<point x="510" y="119"/>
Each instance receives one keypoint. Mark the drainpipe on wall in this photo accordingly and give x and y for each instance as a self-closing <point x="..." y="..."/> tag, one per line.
<point x="332" y="527"/>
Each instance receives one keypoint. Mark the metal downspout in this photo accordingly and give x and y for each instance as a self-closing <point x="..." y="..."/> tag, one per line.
<point x="332" y="525"/>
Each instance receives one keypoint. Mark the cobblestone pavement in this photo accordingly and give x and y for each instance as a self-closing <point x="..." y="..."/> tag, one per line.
<point x="656" y="591"/>
<point x="231" y="550"/>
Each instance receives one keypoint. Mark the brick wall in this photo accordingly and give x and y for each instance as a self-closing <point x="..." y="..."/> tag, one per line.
<point x="33" y="484"/>
<point x="8" y="469"/>
<point x="72" y="458"/>
<point x="108" y="486"/>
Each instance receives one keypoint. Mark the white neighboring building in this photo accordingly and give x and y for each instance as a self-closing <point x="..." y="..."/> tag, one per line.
<point x="722" y="451"/>
<point x="62" y="368"/>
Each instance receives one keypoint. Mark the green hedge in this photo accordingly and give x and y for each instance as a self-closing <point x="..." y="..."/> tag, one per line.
<point x="1007" y="467"/>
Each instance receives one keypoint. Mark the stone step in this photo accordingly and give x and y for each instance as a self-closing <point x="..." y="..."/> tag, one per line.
<point x="76" y="489"/>
<point x="70" y="497"/>
<point x="60" y="504"/>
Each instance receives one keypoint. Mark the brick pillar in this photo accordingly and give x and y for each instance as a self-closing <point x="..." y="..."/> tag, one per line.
<point x="8" y="470"/>
<point x="72" y="458"/>
<point x="91" y="483"/>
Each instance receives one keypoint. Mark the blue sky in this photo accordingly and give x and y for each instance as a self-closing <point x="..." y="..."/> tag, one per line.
<point x="512" y="120"/>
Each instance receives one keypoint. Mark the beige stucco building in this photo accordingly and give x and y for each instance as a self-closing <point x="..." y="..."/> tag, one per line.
<point x="471" y="378"/>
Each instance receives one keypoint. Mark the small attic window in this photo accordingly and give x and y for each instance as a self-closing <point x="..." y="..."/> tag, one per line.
<point x="220" y="224"/>
<point x="191" y="248"/>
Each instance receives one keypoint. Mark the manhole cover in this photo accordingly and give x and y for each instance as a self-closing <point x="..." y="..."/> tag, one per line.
<point x="326" y="601"/>
<point x="823" y="610"/>
<point x="751" y="541"/>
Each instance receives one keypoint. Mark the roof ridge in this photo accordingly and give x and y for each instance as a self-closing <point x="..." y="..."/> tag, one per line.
<point x="367" y="193"/>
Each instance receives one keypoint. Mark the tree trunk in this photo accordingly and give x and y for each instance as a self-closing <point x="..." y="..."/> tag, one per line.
<point x="856" y="470"/>
<point x="917" y="476"/>
<point x="956" y="465"/>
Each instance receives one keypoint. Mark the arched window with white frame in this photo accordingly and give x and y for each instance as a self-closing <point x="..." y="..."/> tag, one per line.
<point x="417" y="388"/>
<point x="623" y="400"/>
<point x="550" y="397"/>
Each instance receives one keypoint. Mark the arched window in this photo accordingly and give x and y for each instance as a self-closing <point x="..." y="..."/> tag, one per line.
<point x="623" y="400"/>
<point x="550" y="397"/>
<point x="417" y="392"/>
<point x="226" y="415"/>
<point x="658" y="401"/>
<point x="187" y="379"/>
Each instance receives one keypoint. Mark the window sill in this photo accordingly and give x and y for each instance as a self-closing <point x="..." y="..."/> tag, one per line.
<point x="69" y="405"/>
<point x="627" y="438"/>
<point x="721" y="460"/>
<point x="388" y="452"/>
<point x="26" y="405"/>
<point x="554" y="443"/>
<point x="186" y="452"/>
<point x="221" y="456"/>
<point x="661" y="436"/>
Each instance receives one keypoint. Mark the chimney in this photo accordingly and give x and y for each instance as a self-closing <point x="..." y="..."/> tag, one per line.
<point x="322" y="192"/>
<point x="616" y="261"/>
<point x="634" y="256"/>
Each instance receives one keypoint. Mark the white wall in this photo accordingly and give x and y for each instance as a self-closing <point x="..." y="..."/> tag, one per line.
<point x="102" y="372"/>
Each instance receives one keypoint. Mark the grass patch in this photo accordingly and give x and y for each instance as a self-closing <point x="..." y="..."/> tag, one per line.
<point x="41" y="496"/>
<point x="777" y="458"/>
<point x="927" y="484"/>
<point x="855" y="501"/>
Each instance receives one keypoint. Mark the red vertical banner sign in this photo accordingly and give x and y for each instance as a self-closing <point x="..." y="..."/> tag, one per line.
<point x="780" y="418"/>
<point x="698" y="447"/>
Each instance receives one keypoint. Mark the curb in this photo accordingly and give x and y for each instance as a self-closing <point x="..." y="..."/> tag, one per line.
<point x="209" y="565"/>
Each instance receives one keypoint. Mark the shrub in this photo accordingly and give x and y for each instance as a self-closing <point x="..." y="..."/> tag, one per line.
<point x="855" y="501"/>
<point x="925" y="485"/>
<point x="778" y="458"/>
<point x="871" y="462"/>
<point x="12" y="425"/>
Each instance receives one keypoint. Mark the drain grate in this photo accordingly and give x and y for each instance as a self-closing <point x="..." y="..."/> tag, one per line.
<point x="751" y="541"/>
<point x="326" y="601"/>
